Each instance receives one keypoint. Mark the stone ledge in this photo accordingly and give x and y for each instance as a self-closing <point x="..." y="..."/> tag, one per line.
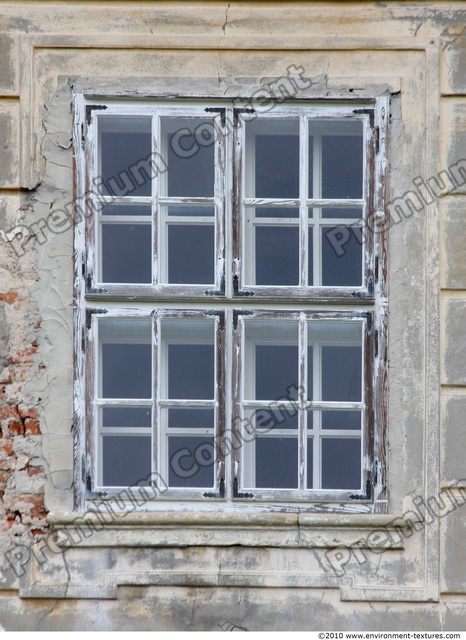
<point x="184" y="529"/>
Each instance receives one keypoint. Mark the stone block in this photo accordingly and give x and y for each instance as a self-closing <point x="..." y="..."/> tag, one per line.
<point x="454" y="353"/>
<point x="453" y="440"/>
<point x="9" y="56"/>
<point x="453" y="553"/>
<point x="452" y="146"/>
<point x="9" y="145"/>
<point x="453" y="267"/>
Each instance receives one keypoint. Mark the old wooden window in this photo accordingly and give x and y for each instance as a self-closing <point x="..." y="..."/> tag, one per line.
<point x="230" y="298"/>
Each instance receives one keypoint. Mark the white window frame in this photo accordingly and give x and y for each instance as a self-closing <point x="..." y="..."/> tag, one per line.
<point x="228" y="300"/>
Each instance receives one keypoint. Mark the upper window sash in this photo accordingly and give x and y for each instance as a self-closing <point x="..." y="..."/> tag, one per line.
<point x="156" y="197"/>
<point x="159" y="194"/>
<point x="302" y="199"/>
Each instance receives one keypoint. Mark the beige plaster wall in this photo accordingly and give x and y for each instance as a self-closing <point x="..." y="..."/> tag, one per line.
<point x="251" y="571"/>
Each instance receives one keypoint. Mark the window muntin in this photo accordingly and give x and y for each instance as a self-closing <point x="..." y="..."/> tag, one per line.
<point x="281" y="251"/>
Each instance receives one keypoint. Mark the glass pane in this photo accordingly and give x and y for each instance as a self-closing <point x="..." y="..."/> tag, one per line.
<point x="341" y="374"/>
<point x="127" y="253"/>
<point x="341" y="463"/>
<point x="126" y="210"/>
<point x="341" y="360"/>
<point x="191" y="418"/>
<point x="191" y="254"/>
<point x="339" y="143"/>
<point x="277" y="255"/>
<point x="341" y="420"/>
<point x="310" y="463"/>
<point x="190" y="358"/>
<point x="310" y="257"/>
<point x="342" y="165"/>
<point x="277" y="463"/>
<point x="190" y="153"/>
<point x="125" y="155"/>
<point x="191" y="371"/>
<point x="126" y="353"/>
<point x="126" y="460"/>
<point x="192" y="461"/>
<point x="126" y="417"/>
<point x="343" y="212"/>
<point x="274" y="346"/>
<point x="276" y="370"/>
<point x="341" y="257"/>
<point x="275" y="170"/>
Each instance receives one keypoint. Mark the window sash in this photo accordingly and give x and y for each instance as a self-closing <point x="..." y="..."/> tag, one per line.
<point x="232" y="286"/>
<point x="234" y="267"/>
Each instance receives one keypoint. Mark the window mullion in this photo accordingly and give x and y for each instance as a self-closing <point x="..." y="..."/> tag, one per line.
<point x="302" y="385"/>
<point x="155" y="408"/>
<point x="317" y="415"/>
<point x="157" y="179"/>
<point x="303" y="215"/>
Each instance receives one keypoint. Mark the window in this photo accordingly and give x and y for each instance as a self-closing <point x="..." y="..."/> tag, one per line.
<point x="231" y="300"/>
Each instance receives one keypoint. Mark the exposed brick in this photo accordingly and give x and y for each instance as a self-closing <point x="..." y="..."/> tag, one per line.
<point x="28" y="504"/>
<point x="26" y="413"/>
<point x="9" y="297"/>
<point x="31" y="427"/>
<point x="8" y="411"/>
<point x="6" y="446"/>
<point x="34" y="471"/>
<point x="15" y="428"/>
<point x="23" y="356"/>
<point x="5" y="376"/>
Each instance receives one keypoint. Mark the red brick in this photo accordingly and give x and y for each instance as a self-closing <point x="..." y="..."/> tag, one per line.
<point x="35" y="471"/>
<point x="7" y="411"/>
<point x="23" y="355"/>
<point x="26" y="413"/>
<point x="15" y="428"/>
<point x="32" y="505"/>
<point x="6" y="446"/>
<point x="31" y="427"/>
<point x="9" y="297"/>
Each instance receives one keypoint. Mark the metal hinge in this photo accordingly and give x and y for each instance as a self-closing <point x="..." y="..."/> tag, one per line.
<point x="93" y="107"/>
<point x="90" y="288"/>
<point x="366" y="294"/>
<point x="89" y="312"/>
<point x="236" y="113"/>
<point x="217" y="292"/>
<point x="221" y="316"/>
<point x="237" y="313"/>
<point x="360" y="496"/>
<point x="219" y="110"/>
<point x="236" y="493"/>
<point x="219" y="494"/>
<point x="236" y="291"/>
